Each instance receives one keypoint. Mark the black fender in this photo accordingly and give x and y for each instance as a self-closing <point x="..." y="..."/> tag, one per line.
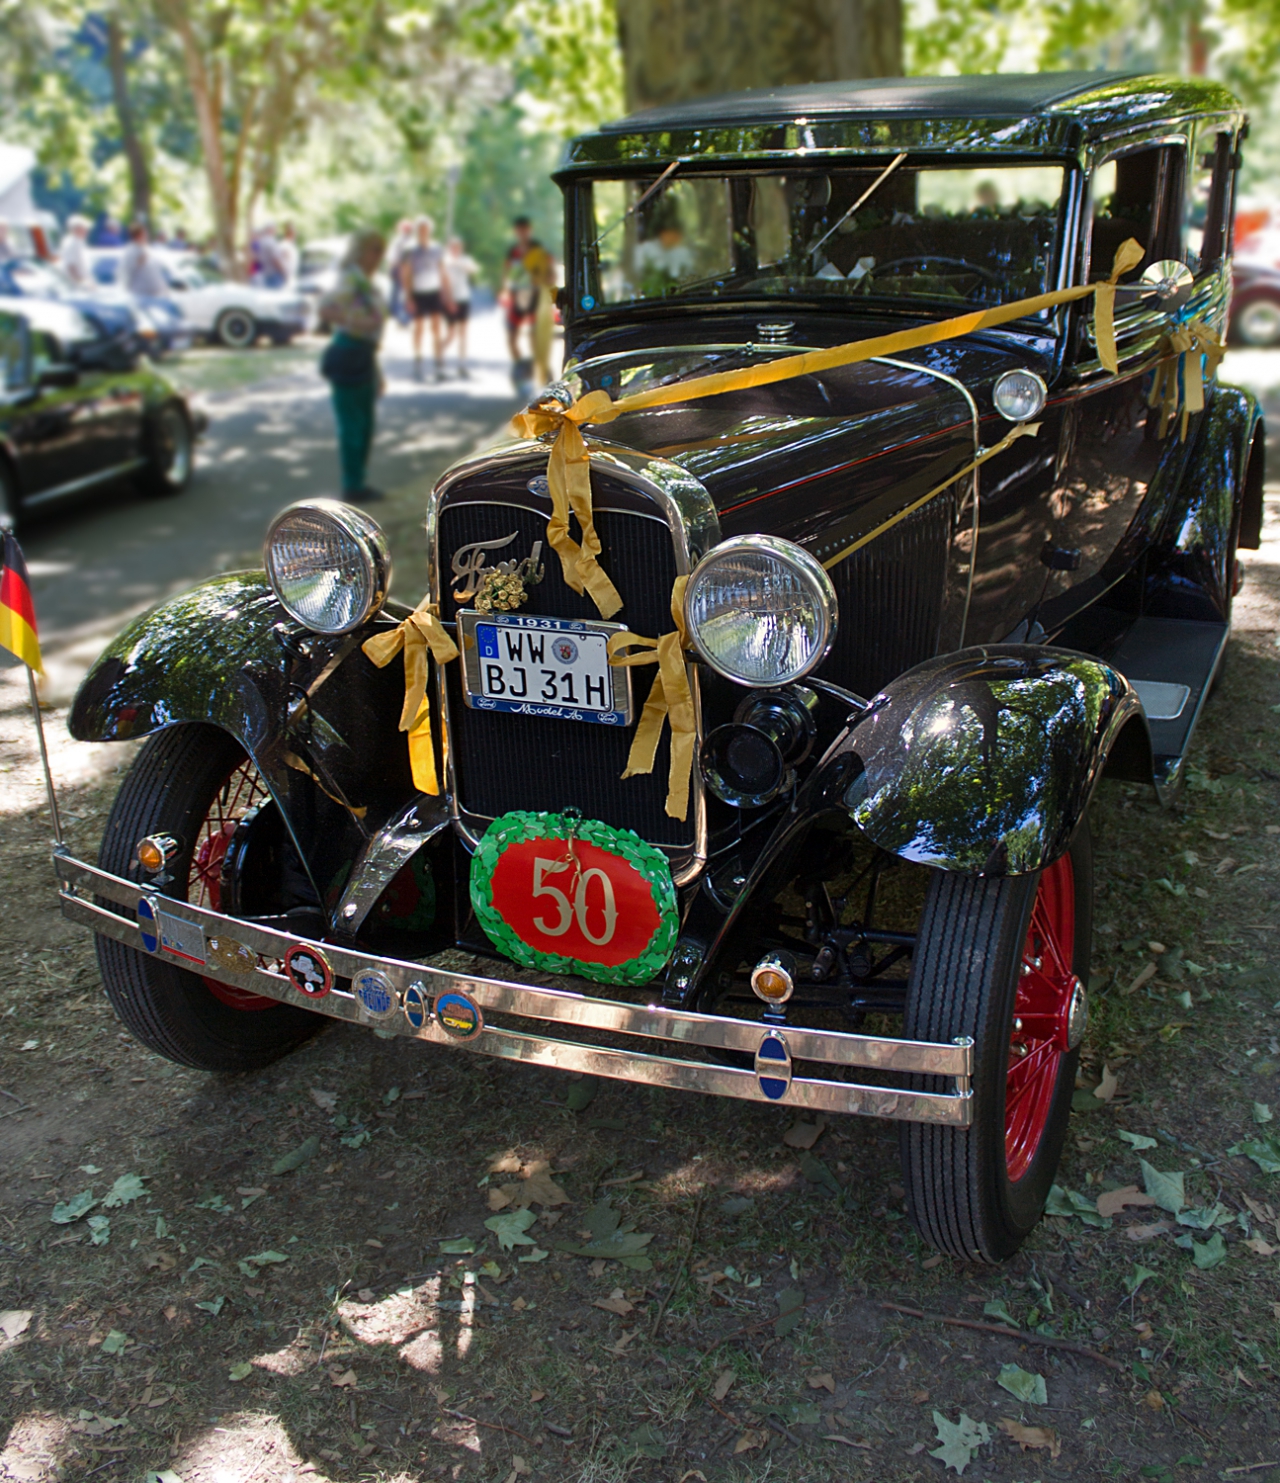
<point x="984" y="761"/>
<point x="1218" y="501"/>
<point x="318" y="719"/>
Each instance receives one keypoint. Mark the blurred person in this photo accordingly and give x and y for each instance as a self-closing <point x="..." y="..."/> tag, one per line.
<point x="6" y="247"/>
<point x="270" y="267"/>
<point x="356" y="313"/>
<point x="73" y="254"/>
<point x="179" y="241"/>
<point x="400" y="244"/>
<point x="517" y="293"/>
<point x="425" y="287"/>
<point x="459" y="270"/>
<point x="108" y="233"/>
<point x="140" y="274"/>
<point x="288" y="255"/>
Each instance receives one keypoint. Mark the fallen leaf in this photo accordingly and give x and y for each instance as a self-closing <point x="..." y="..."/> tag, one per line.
<point x="1148" y="1232"/>
<point x="918" y="1398"/>
<point x="582" y="1094"/>
<point x="822" y="1381"/>
<point x="646" y="1441"/>
<point x="537" y="1395"/>
<point x="69" y="1210"/>
<point x="499" y="1199"/>
<point x="302" y="1154"/>
<point x="344" y="1380"/>
<point x="1032" y="1438"/>
<point x="510" y="1228"/>
<point x="1137" y="1141"/>
<point x="849" y="1442"/>
<point x="931" y="1261"/>
<point x="124" y="1191"/>
<point x="1167" y="1190"/>
<point x="1262" y="1112"/>
<point x="693" y="1473"/>
<point x="519" y="1469"/>
<point x="1139" y="1275"/>
<point x="325" y="1101"/>
<point x="624" y="1339"/>
<point x="1209" y="1254"/>
<point x="457" y="1246"/>
<point x="960" y="1440"/>
<point x="171" y="1312"/>
<point x="804" y="1135"/>
<point x="750" y="1440"/>
<point x="377" y="1245"/>
<point x="520" y="1305"/>
<point x="505" y="1163"/>
<point x="615" y="1303"/>
<point x="242" y="1371"/>
<point x="538" y="1186"/>
<point x="1106" y="1088"/>
<point x="1143" y="978"/>
<point x="1116" y="1200"/>
<point x="724" y="1381"/>
<point x="15" y="1321"/>
<point x="536" y="1255"/>
<point x="1026" y="1385"/>
<point x="816" y="1172"/>
<point x="114" y="1342"/>
<point x="1153" y="1400"/>
<point x="366" y="1295"/>
<point x="1261" y="1247"/>
<point x="790" y="1311"/>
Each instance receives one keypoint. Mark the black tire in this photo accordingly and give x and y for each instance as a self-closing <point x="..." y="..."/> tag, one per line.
<point x="282" y="338"/>
<point x="237" y="329"/>
<point x="170" y="789"/>
<point x="965" y="976"/>
<point x="169" y="442"/>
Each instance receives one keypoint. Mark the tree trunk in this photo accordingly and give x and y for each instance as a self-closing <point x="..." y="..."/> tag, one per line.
<point x="678" y="49"/>
<point x="208" y="105"/>
<point x="139" y="171"/>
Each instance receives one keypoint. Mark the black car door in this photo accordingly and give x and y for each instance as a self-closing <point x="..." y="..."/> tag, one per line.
<point x="41" y="417"/>
<point x="1119" y="470"/>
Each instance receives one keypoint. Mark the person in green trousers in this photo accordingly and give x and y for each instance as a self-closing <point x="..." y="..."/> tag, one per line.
<point x="356" y="314"/>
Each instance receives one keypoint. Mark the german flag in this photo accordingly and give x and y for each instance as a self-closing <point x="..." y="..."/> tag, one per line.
<point x="17" y="612"/>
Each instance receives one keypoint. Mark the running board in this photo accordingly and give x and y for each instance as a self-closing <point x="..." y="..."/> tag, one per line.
<point x="1171" y="663"/>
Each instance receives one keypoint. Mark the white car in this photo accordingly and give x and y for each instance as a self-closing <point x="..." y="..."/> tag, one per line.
<point x="215" y="306"/>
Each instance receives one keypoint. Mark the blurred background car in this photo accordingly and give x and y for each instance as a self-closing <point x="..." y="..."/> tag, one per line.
<point x="213" y="306"/>
<point x="1255" y="305"/>
<point x="78" y="412"/>
<point x="153" y="329"/>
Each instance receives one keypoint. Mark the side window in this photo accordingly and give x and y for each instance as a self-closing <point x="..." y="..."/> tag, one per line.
<point x="1139" y="195"/>
<point x="15" y="352"/>
<point x="1210" y="204"/>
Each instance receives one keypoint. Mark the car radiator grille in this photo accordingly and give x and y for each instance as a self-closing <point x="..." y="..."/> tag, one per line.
<point x="891" y="600"/>
<point x="502" y="761"/>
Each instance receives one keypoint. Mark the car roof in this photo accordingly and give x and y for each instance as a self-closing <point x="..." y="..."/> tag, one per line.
<point x="1049" y="113"/>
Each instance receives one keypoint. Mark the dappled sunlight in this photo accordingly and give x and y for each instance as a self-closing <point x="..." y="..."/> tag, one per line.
<point x="395" y="1318"/>
<point x="35" y="1447"/>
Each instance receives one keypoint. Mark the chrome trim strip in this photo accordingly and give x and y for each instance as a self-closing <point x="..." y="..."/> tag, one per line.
<point x="695" y="527"/>
<point x="103" y="476"/>
<point x="830" y="1047"/>
<point x="386" y="854"/>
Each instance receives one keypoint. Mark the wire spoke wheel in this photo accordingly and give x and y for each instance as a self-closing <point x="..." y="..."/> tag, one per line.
<point x="998" y="960"/>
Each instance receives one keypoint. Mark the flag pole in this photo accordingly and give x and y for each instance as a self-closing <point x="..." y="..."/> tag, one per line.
<point x="44" y="757"/>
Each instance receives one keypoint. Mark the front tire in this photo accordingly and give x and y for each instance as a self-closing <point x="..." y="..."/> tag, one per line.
<point x="237" y="329"/>
<point x="1256" y="323"/>
<point x="170" y="451"/>
<point x="1002" y="960"/>
<point x="195" y="783"/>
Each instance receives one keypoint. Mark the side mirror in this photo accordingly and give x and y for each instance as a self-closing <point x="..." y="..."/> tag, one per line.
<point x="1170" y="282"/>
<point x="58" y="378"/>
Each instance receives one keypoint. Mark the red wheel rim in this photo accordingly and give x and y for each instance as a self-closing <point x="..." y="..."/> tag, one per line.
<point x="242" y="791"/>
<point x="1049" y="994"/>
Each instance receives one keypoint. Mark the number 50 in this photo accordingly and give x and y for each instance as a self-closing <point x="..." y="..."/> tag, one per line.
<point x="579" y="907"/>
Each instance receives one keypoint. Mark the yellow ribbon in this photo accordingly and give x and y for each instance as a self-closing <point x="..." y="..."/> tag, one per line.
<point x="669" y="699"/>
<point x="569" y="484"/>
<point x="1179" y="378"/>
<point x="569" y="469"/>
<point x="420" y="631"/>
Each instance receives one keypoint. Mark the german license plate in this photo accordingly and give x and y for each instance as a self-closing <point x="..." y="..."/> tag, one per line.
<point x="535" y="666"/>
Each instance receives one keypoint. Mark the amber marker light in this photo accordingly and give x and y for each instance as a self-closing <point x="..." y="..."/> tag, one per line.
<point x="155" y="851"/>
<point x="771" y="979"/>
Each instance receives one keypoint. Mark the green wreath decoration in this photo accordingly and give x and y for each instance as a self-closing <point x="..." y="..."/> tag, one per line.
<point x="519" y="826"/>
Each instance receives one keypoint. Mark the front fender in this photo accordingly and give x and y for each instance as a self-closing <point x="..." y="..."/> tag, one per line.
<point x="984" y="761"/>
<point x="318" y="719"/>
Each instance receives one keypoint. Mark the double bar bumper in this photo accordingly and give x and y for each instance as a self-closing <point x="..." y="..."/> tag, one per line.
<point x="251" y="956"/>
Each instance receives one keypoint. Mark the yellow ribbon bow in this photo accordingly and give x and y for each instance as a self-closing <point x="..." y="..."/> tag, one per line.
<point x="669" y="699"/>
<point x="1179" y="374"/>
<point x="569" y="484"/>
<point x="420" y="631"/>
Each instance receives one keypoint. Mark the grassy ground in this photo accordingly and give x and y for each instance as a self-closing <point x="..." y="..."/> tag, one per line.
<point x="227" y="1323"/>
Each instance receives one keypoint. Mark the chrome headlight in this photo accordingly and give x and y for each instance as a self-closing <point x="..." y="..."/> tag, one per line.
<point x="760" y="611"/>
<point x="1019" y="395"/>
<point x="328" y="564"/>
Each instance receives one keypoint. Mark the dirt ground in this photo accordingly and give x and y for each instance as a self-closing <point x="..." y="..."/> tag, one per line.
<point x="223" y="1313"/>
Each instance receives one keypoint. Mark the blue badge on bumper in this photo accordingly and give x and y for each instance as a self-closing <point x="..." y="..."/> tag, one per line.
<point x="773" y="1066"/>
<point x="416" y="1008"/>
<point x="375" y="995"/>
<point x="148" y="927"/>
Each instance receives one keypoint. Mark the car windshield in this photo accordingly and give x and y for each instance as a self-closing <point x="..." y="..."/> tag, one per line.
<point x="955" y="235"/>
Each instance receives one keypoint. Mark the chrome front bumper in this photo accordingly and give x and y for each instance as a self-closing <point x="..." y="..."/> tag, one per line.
<point x="224" y="940"/>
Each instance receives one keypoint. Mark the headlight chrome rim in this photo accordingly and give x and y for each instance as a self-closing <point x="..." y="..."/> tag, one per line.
<point x="371" y="550"/>
<point x="812" y="576"/>
<point x="1027" y="382"/>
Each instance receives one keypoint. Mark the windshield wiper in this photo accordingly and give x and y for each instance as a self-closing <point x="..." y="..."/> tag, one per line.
<point x="862" y="199"/>
<point x="670" y="170"/>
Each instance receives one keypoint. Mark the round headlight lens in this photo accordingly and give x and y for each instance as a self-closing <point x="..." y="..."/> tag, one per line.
<point x="1019" y="395"/>
<point x="760" y="611"/>
<point x="328" y="565"/>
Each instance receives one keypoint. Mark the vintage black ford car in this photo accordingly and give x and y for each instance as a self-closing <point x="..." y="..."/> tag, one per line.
<point x="752" y="723"/>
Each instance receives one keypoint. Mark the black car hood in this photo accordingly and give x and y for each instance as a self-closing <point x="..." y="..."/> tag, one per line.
<point x="761" y="451"/>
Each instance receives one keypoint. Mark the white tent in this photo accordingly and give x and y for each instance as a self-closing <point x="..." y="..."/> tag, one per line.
<point x="16" y="164"/>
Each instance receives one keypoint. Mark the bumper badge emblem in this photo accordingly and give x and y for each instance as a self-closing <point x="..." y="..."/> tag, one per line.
<point x="458" y="1016"/>
<point x="773" y="1066"/>
<point x="308" y="970"/>
<point x="375" y="995"/>
<point x="148" y="927"/>
<point x="416" y="1009"/>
